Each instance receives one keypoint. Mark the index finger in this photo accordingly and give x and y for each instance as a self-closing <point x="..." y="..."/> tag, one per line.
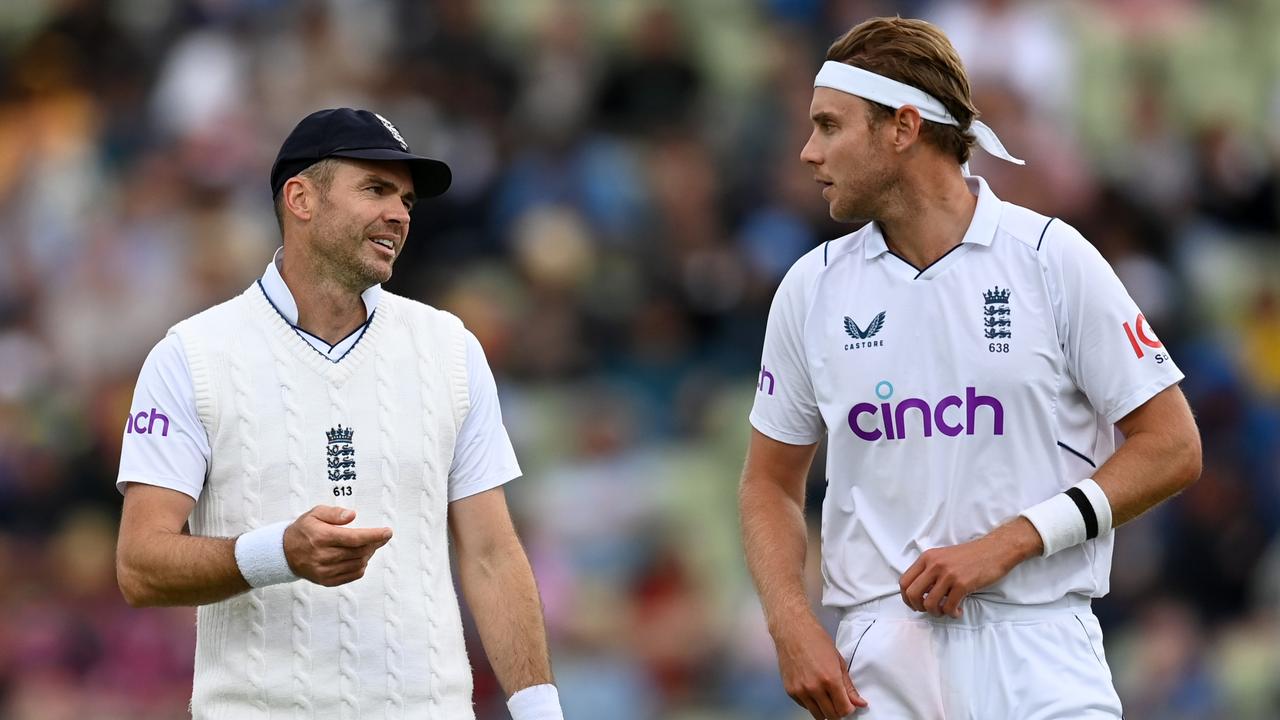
<point x="828" y="702"/>
<point x="841" y="702"/>
<point x="952" y="601"/>
<point x="812" y="706"/>
<point x="908" y="577"/>
<point x="852" y="691"/>
<point x="358" y="537"/>
<point x="925" y="582"/>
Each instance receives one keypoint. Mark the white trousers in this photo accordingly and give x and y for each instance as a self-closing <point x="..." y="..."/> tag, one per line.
<point x="997" y="662"/>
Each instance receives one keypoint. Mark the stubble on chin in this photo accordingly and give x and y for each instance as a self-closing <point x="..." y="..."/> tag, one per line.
<point x="350" y="268"/>
<point x="365" y="273"/>
<point x="866" y="203"/>
<point x="850" y="212"/>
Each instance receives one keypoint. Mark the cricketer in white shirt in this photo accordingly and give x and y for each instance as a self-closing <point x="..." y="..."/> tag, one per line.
<point x="956" y="396"/>
<point x="968" y="361"/>
<point x="164" y="402"/>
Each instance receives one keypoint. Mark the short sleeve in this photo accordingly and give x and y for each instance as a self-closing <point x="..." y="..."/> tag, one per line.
<point x="786" y="408"/>
<point x="483" y="457"/>
<point x="1112" y="353"/>
<point x="165" y="443"/>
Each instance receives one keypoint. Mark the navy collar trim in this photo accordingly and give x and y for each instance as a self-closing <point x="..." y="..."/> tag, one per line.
<point x="923" y="270"/>
<point x="300" y="332"/>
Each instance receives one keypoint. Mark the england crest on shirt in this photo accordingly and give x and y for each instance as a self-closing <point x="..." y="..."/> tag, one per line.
<point x="996" y="321"/>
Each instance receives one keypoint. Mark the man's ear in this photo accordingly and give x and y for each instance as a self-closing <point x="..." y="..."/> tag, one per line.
<point x="907" y="124"/>
<point x="299" y="195"/>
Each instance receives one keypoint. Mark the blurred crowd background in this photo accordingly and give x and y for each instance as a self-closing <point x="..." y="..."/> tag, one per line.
<point x="627" y="196"/>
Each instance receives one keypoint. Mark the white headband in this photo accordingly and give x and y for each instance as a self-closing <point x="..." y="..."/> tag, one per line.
<point x="886" y="91"/>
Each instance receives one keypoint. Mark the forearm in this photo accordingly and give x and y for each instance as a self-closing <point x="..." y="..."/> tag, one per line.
<point x="500" y="591"/>
<point x="1146" y="470"/>
<point x="774" y="540"/>
<point x="1160" y="457"/>
<point x="166" y="568"/>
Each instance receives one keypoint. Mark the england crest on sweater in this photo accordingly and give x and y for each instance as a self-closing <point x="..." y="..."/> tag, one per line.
<point x="341" y="458"/>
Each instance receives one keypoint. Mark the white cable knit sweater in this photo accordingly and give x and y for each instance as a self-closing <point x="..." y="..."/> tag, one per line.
<point x="375" y="432"/>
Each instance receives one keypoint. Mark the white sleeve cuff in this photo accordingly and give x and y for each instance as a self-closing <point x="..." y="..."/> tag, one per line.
<point x="539" y="702"/>
<point x="260" y="556"/>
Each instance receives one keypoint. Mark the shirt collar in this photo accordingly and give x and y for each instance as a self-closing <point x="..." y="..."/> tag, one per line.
<point x="982" y="229"/>
<point x="280" y="296"/>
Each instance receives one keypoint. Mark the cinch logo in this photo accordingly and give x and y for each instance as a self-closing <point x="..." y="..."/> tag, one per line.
<point x="765" y="375"/>
<point x="133" y="423"/>
<point x="890" y="422"/>
<point x="1150" y="341"/>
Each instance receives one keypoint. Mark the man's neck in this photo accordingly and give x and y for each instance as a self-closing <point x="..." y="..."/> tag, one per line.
<point x="326" y="308"/>
<point x="930" y="216"/>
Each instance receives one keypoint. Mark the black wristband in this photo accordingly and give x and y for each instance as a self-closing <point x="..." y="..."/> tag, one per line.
<point x="1086" y="511"/>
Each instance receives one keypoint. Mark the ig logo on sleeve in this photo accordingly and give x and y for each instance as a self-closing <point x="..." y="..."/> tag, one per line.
<point x="1140" y="334"/>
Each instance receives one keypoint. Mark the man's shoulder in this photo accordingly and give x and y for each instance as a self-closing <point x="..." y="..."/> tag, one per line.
<point x="813" y="263"/>
<point x="1046" y="235"/>
<point x="1024" y="225"/>
<point x="416" y="313"/>
<point x="227" y="312"/>
<point x="801" y="283"/>
<point x="845" y="246"/>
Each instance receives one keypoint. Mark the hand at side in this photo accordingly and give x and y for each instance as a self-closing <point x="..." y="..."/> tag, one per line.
<point x="813" y="672"/>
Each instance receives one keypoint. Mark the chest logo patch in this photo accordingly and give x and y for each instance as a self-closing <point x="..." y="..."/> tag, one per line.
<point x="995" y="314"/>
<point x="863" y="337"/>
<point x="858" y="333"/>
<point x="341" y="457"/>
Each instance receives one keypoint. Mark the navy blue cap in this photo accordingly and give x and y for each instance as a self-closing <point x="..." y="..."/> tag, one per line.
<point x="360" y="134"/>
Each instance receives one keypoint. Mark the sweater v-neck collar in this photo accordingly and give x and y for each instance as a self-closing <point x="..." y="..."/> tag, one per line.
<point x="286" y="333"/>
<point x="281" y="297"/>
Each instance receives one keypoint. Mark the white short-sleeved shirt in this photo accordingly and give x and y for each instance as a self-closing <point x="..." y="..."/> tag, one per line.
<point x="178" y="459"/>
<point x="957" y="395"/>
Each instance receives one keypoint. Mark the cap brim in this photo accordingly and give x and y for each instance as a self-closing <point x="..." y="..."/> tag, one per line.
<point x="430" y="177"/>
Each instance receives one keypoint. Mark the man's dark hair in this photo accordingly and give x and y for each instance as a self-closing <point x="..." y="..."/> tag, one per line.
<point x="321" y="174"/>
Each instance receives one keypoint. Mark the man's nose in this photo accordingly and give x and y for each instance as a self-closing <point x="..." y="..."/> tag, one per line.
<point x="809" y="153"/>
<point x="397" y="213"/>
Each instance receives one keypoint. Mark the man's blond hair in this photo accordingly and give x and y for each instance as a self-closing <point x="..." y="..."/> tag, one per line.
<point x="919" y="54"/>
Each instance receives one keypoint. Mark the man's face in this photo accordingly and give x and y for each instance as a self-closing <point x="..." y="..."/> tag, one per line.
<point x="848" y="155"/>
<point x="362" y="221"/>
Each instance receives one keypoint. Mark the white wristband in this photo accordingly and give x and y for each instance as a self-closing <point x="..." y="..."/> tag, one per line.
<point x="260" y="556"/>
<point x="1069" y="518"/>
<point x="538" y="702"/>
